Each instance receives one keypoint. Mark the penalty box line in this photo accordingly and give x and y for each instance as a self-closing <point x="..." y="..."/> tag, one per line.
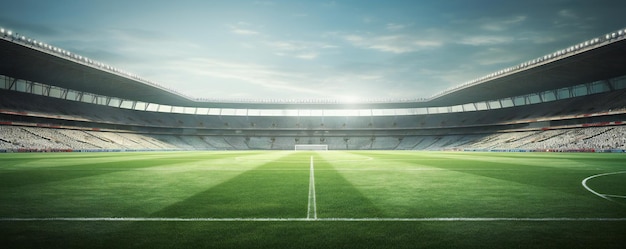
<point x="451" y="219"/>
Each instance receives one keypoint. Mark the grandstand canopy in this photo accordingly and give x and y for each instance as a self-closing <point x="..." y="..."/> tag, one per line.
<point x="32" y="64"/>
<point x="587" y="66"/>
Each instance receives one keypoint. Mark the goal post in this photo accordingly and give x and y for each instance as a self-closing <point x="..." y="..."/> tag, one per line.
<point x="311" y="147"/>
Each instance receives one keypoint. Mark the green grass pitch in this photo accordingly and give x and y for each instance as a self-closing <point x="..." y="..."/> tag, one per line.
<point x="334" y="199"/>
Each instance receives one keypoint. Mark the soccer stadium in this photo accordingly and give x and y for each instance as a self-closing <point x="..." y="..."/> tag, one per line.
<point x="530" y="156"/>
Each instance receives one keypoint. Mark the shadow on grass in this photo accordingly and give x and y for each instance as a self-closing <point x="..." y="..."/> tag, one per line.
<point x="553" y="191"/>
<point x="24" y="177"/>
<point x="557" y="179"/>
<point x="276" y="189"/>
<point x="337" y="197"/>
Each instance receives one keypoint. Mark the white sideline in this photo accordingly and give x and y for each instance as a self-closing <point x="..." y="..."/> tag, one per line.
<point x="605" y="196"/>
<point x="450" y="219"/>
<point x="312" y="206"/>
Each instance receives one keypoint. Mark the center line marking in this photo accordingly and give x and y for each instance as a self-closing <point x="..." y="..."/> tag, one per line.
<point x="312" y="207"/>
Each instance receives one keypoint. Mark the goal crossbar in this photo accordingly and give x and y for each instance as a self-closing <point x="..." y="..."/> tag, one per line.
<point x="311" y="147"/>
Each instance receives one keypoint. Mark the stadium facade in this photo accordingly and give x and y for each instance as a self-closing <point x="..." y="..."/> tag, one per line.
<point x="573" y="99"/>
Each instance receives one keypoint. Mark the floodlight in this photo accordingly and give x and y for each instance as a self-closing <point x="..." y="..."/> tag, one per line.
<point x="9" y="32"/>
<point x="2" y="30"/>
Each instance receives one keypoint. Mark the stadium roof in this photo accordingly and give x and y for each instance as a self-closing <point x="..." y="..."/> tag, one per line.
<point x="311" y="51"/>
<point x="584" y="63"/>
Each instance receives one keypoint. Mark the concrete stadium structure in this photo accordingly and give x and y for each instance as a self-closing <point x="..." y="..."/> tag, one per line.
<point x="569" y="100"/>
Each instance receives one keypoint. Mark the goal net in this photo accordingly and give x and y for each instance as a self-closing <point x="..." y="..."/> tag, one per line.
<point x="311" y="147"/>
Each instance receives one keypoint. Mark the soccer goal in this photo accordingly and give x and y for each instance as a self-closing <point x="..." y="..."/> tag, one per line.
<point x="311" y="147"/>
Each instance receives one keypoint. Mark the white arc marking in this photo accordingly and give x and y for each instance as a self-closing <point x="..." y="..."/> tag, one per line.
<point x="605" y="196"/>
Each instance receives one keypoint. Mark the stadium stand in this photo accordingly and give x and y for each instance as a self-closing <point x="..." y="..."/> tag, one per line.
<point x="585" y="114"/>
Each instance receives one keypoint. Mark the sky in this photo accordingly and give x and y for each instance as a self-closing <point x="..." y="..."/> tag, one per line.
<point x="296" y="49"/>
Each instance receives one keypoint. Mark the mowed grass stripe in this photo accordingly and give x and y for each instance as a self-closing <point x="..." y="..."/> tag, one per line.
<point x="456" y="192"/>
<point x="122" y="193"/>
<point x="336" y="196"/>
<point x="431" y="193"/>
<point x="383" y="184"/>
<point x="583" y="220"/>
<point x="51" y="160"/>
<point x="85" y="167"/>
<point x="263" y="191"/>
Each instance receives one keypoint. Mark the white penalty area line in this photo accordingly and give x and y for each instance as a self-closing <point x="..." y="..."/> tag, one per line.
<point x="312" y="206"/>
<point x="452" y="219"/>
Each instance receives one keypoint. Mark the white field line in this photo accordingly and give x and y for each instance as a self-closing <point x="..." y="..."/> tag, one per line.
<point x="605" y="196"/>
<point x="441" y="219"/>
<point x="312" y="207"/>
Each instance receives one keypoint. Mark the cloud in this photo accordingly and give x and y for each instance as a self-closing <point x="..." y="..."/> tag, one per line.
<point x="395" y="26"/>
<point x="307" y="56"/>
<point x="570" y="19"/>
<point x="566" y="13"/>
<point x="482" y="40"/>
<point x="495" y="56"/>
<point x="23" y="25"/>
<point x="242" y="28"/>
<point x="244" y="31"/>
<point x="247" y="76"/>
<point x="397" y="44"/>
<point x="266" y="3"/>
<point x="287" y="45"/>
<point x="306" y="50"/>
<point x="502" y="24"/>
